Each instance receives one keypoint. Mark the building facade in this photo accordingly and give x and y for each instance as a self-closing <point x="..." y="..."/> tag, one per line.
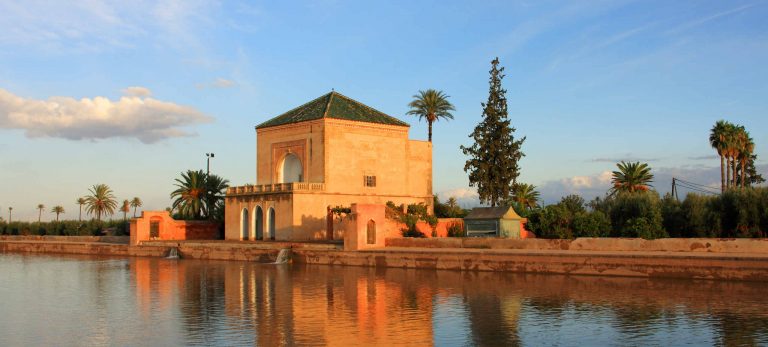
<point x="332" y="151"/>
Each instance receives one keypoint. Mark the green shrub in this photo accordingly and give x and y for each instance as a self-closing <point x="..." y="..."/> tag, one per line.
<point x="627" y="208"/>
<point x="551" y="222"/>
<point x="410" y="229"/>
<point x="591" y="224"/>
<point x="455" y="229"/>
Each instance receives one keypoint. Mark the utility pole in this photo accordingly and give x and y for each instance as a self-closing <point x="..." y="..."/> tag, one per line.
<point x="674" y="189"/>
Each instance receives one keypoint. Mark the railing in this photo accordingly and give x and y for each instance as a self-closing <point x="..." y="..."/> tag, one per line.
<point x="275" y="188"/>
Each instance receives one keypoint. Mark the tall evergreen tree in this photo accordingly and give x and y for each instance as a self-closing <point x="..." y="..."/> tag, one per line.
<point x="493" y="158"/>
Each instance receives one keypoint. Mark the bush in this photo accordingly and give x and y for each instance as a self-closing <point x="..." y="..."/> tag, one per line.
<point x="410" y="229"/>
<point x="551" y="222"/>
<point x="455" y="229"/>
<point x="591" y="224"/>
<point x="627" y="208"/>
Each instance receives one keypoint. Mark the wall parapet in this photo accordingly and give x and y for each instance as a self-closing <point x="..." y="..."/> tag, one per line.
<point x="275" y="188"/>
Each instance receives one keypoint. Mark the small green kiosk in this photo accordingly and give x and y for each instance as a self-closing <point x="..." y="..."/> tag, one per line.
<point x="500" y="221"/>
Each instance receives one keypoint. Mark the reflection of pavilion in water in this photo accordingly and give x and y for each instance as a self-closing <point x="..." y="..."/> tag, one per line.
<point x="321" y="305"/>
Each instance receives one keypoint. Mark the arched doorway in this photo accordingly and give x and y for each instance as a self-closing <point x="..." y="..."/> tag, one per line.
<point x="291" y="170"/>
<point x="271" y="223"/>
<point x="259" y="216"/>
<point x="370" y="232"/>
<point x="244" y="224"/>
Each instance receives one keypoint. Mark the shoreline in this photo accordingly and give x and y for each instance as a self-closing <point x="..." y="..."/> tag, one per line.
<point x="729" y="266"/>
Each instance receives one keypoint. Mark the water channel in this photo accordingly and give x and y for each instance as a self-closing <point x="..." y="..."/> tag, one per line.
<point x="59" y="300"/>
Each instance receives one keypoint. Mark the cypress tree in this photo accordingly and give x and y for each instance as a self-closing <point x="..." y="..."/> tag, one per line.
<point x="493" y="158"/>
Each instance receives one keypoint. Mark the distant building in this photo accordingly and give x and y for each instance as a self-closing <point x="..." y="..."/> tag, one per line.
<point x="331" y="151"/>
<point x="500" y="221"/>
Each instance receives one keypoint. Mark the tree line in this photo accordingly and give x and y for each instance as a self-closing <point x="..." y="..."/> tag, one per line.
<point x="198" y="196"/>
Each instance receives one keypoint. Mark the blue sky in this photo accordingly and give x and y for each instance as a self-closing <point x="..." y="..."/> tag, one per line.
<point x="132" y="93"/>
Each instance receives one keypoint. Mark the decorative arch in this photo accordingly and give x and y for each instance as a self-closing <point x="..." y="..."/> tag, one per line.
<point x="291" y="169"/>
<point x="370" y="232"/>
<point x="258" y="217"/>
<point x="271" y="223"/>
<point x="244" y="224"/>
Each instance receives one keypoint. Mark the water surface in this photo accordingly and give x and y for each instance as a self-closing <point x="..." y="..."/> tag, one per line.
<point x="89" y="300"/>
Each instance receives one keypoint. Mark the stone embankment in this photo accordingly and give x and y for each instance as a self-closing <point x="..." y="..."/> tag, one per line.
<point x="720" y="259"/>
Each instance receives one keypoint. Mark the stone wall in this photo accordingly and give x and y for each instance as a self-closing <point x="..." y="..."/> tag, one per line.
<point x="593" y="244"/>
<point x="104" y="239"/>
<point x="171" y="229"/>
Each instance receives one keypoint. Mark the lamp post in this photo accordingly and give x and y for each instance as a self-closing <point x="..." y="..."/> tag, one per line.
<point x="10" y="209"/>
<point x="208" y="164"/>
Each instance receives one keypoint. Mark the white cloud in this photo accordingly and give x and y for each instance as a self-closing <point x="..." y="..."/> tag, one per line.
<point x="137" y="91"/>
<point x="132" y="116"/>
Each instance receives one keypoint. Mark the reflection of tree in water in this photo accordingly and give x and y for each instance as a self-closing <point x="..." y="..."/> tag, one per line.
<point x="493" y="311"/>
<point x="736" y="331"/>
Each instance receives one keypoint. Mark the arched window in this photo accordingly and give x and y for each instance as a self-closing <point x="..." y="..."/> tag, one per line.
<point x="244" y="224"/>
<point x="291" y="170"/>
<point x="259" y="223"/>
<point x="371" y="232"/>
<point x="271" y="223"/>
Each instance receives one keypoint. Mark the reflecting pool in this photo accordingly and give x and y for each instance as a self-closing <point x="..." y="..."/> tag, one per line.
<point x="85" y="300"/>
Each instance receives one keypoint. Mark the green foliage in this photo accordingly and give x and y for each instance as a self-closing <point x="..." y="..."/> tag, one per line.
<point x="410" y="229"/>
<point x="199" y="196"/>
<point x="591" y="224"/>
<point x="631" y="177"/>
<point x="524" y="195"/>
<point x="101" y="201"/>
<point x="494" y="156"/>
<point x="64" y="228"/>
<point x="455" y="229"/>
<point x="449" y="209"/>
<point x="431" y="105"/>
<point x="573" y="203"/>
<point x="551" y="222"/>
<point x="633" y="212"/>
<point x="341" y="211"/>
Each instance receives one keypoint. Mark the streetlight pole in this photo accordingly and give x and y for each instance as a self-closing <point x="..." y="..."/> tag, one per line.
<point x="208" y="163"/>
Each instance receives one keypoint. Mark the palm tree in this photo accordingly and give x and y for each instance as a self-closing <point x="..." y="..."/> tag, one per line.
<point x="57" y="210"/>
<point x="216" y="188"/>
<point x="101" y="201"/>
<point x="744" y="157"/>
<point x="431" y="105"/>
<point x="81" y="202"/>
<point x="190" y="194"/>
<point x="40" y="207"/>
<point x="631" y="177"/>
<point x="136" y="202"/>
<point x="525" y="195"/>
<point x="125" y="209"/>
<point x="717" y="139"/>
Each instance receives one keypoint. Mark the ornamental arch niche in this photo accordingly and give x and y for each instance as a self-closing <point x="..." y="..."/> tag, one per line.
<point x="370" y="232"/>
<point x="244" y="223"/>
<point x="291" y="169"/>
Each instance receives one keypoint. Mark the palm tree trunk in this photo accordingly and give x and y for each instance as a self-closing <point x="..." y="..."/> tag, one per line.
<point x="743" y="173"/>
<point x="722" y="173"/>
<point x="733" y="163"/>
<point x="81" y="214"/>
<point x="134" y="211"/>
<point x="39" y="215"/>
<point x="430" y="131"/>
<point x="728" y="172"/>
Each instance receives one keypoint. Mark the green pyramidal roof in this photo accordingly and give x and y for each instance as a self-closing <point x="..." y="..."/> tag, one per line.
<point x="332" y="105"/>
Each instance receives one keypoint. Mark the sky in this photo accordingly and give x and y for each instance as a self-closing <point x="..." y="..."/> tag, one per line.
<point x="130" y="94"/>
